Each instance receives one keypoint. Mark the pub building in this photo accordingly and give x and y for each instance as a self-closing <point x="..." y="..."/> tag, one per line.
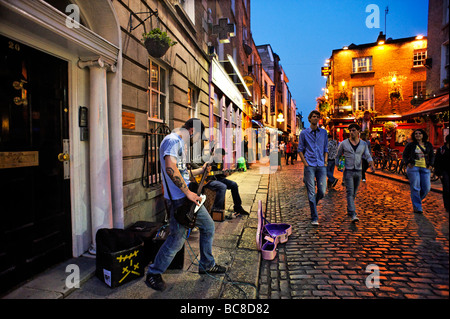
<point x="381" y="86"/>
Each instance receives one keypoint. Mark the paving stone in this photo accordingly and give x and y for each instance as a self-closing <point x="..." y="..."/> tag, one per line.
<point x="331" y="260"/>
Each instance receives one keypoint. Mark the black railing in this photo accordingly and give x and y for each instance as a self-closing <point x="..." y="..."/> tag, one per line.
<point x="151" y="169"/>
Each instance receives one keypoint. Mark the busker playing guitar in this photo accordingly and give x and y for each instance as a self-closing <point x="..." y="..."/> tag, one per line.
<point x="176" y="181"/>
<point x="220" y="184"/>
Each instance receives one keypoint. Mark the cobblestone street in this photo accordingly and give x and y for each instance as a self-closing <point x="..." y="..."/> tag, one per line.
<point x="331" y="260"/>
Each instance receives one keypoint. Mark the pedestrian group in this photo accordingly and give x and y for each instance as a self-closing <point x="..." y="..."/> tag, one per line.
<point x="319" y="153"/>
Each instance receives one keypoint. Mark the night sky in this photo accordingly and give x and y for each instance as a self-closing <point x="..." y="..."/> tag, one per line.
<point x="305" y="32"/>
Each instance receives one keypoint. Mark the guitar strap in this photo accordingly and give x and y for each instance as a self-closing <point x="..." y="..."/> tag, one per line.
<point x="170" y="196"/>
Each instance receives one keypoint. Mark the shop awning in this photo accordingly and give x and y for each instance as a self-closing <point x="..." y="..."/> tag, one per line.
<point x="431" y="106"/>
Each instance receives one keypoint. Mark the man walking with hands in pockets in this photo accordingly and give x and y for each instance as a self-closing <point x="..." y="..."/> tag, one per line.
<point x="354" y="150"/>
<point x="313" y="150"/>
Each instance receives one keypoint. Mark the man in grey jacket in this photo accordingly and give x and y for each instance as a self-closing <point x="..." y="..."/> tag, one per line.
<point x="354" y="149"/>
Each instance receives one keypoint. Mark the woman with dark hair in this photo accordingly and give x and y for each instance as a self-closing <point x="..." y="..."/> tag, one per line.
<point x="419" y="156"/>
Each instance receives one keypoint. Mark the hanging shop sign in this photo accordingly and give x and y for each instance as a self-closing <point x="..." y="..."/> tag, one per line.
<point x="272" y="100"/>
<point x="326" y="70"/>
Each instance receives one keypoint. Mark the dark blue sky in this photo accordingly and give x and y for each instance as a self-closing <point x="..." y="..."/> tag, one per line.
<point x="304" y="33"/>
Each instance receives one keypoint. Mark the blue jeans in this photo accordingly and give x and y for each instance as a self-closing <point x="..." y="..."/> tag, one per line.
<point x="330" y="170"/>
<point x="221" y="186"/>
<point x="419" y="184"/>
<point x="318" y="173"/>
<point x="352" y="180"/>
<point x="177" y="237"/>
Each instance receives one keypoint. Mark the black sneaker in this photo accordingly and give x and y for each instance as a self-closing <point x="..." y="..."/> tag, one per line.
<point x="156" y="282"/>
<point x="334" y="183"/>
<point x="216" y="269"/>
<point x="241" y="211"/>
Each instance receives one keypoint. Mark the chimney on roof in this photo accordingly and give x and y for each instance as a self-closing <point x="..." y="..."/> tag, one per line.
<point x="381" y="38"/>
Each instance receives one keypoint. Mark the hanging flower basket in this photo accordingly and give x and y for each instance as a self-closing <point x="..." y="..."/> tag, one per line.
<point x="342" y="98"/>
<point x="390" y="126"/>
<point x="396" y="95"/>
<point x="157" y="42"/>
<point x="156" y="48"/>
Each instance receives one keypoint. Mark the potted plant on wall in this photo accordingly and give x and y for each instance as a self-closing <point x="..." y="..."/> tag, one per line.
<point x="395" y="95"/>
<point x="342" y="98"/>
<point x="157" y="42"/>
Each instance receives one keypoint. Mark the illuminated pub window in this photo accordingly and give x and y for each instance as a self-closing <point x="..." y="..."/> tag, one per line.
<point x="419" y="57"/>
<point x="419" y="88"/>
<point x="157" y="92"/>
<point x="363" y="98"/>
<point x="362" y="64"/>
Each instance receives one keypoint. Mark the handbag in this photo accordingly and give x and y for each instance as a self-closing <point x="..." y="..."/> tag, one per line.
<point x="341" y="164"/>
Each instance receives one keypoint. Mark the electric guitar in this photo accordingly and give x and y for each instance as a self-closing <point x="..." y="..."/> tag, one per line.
<point x="213" y="173"/>
<point x="186" y="214"/>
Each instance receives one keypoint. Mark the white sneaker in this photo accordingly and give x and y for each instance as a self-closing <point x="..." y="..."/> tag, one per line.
<point x="315" y="223"/>
<point x="355" y="218"/>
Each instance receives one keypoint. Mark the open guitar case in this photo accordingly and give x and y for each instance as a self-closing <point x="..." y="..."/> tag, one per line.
<point x="269" y="235"/>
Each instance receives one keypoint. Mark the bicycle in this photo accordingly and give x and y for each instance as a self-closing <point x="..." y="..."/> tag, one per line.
<point x="393" y="161"/>
<point x="389" y="160"/>
<point x="377" y="159"/>
<point x="401" y="169"/>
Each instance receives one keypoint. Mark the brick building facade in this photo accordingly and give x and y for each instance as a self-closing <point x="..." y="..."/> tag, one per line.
<point x="386" y="78"/>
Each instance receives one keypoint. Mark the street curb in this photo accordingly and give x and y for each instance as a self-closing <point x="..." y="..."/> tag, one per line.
<point x="433" y="189"/>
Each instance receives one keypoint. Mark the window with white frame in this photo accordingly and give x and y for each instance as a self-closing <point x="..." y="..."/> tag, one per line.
<point x="363" y="64"/>
<point x="445" y="7"/>
<point x="444" y="63"/>
<point x="363" y="98"/>
<point x="192" y="97"/>
<point x="419" y="88"/>
<point x="158" y="92"/>
<point x="419" y="57"/>
<point x="188" y="7"/>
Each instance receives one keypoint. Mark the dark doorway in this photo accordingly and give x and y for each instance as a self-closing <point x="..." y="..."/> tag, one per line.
<point x="35" y="222"/>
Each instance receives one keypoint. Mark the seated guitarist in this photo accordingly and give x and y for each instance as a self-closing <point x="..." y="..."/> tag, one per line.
<point x="176" y="180"/>
<point x="219" y="183"/>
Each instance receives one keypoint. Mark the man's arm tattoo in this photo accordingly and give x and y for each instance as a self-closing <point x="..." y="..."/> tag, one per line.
<point x="170" y="172"/>
<point x="178" y="181"/>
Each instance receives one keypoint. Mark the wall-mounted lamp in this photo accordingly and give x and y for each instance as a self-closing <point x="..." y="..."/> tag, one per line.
<point x="263" y="101"/>
<point x="280" y="118"/>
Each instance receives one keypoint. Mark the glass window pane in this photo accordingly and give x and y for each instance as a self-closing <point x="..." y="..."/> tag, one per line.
<point x="162" y="81"/>
<point x="154" y="77"/>
<point x="162" y="106"/>
<point x="154" y="105"/>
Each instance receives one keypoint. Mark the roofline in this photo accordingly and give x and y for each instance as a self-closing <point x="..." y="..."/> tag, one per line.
<point x="388" y="41"/>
